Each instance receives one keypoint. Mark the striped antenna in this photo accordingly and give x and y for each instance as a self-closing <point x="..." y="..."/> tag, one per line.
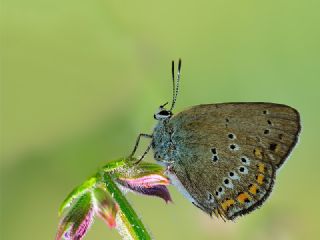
<point x="175" y="84"/>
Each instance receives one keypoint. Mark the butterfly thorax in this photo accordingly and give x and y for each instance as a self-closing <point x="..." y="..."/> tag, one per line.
<point x="162" y="144"/>
<point x="170" y="149"/>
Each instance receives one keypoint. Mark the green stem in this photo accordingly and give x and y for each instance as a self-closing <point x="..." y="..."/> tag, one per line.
<point x="130" y="219"/>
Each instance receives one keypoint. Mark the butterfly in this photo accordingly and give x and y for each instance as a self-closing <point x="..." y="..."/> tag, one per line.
<point x="223" y="157"/>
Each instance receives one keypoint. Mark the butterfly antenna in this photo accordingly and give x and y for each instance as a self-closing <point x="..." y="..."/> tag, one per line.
<point x="175" y="86"/>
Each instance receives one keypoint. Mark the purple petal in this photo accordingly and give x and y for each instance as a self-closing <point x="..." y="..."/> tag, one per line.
<point x="147" y="181"/>
<point x="77" y="220"/>
<point x="153" y="190"/>
<point x="84" y="226"/>
<point x="157" y="190"/>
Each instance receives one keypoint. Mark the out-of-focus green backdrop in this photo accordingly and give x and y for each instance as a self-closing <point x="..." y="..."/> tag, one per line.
<point x="81" y="79"/>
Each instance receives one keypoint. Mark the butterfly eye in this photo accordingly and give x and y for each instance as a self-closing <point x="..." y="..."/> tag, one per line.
<point x="164" y="113"/>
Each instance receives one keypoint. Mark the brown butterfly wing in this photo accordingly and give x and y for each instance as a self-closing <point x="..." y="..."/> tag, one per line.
<point x="227" y="154"/>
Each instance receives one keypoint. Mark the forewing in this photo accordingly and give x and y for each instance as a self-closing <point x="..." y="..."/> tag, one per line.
<point x="227" y="154"/>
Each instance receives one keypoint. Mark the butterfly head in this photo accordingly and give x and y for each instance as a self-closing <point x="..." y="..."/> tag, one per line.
<point x="163" y="113"/>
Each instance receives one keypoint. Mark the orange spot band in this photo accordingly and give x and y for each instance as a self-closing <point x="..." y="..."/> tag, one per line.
<point x="260" y="178"/>
<point x="258" y="153"/>
<point x="261" y="167"/>
<point x="243" y="197"/>
<point x="227" y="203"/>
<point x="253" y="189"/>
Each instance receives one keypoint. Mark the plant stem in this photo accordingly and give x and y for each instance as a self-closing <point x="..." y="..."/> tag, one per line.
<point x="129" y="217"/>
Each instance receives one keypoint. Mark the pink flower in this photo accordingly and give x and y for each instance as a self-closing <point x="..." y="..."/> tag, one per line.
<point x="94" y="197"/>
<point x="153" y="184"/>
<point x="106" y="208"/>
<point x="79" y="217"/>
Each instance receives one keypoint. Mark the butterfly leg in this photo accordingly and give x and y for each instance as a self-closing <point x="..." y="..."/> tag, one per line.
<point x="137" y="144"/>
<point x="144" y="154"/>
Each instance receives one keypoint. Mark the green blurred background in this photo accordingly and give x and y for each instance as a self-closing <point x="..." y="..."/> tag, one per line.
<point x="81" y="79"/>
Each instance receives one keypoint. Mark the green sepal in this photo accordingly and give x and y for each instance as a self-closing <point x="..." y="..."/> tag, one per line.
<point x="78" y="219"/>
<point x="75" y="193"/>
<point x="127" y="168"/>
